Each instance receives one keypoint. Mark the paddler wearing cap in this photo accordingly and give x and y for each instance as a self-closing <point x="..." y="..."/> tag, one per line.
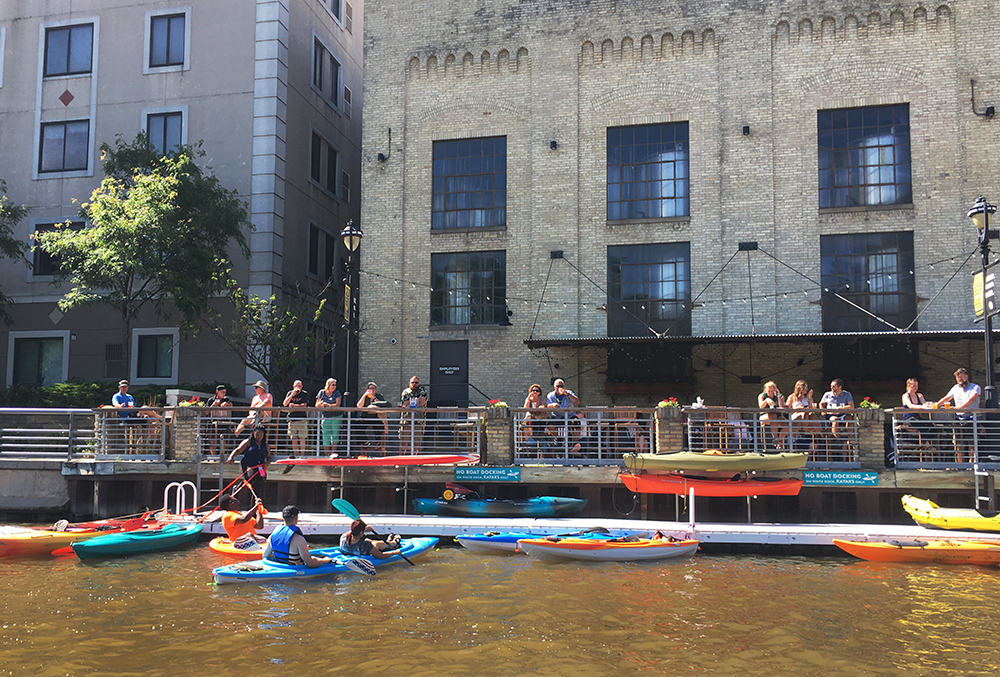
<point x="287" y="545"/>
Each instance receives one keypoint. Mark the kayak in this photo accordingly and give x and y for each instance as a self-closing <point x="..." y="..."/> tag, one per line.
<point x="704" y="486"/>
<point x="631" y="549"/>
<point x="139" y="541"/>
<point x="539" y="506"/>
<point x="375" y="461"/>
<point x="222" y="546"/>
<point x="35" y="542"/>
<point x="506" y="541"/>
<point x="930" y="514"/>
<point x="940" y="552"/>
<point x="713" y="459"/>
<point x="266" y="571"/>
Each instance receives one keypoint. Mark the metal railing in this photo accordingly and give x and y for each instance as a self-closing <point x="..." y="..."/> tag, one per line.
<point x="946" y="438"/>
<point x="143" y="433"/>
<point x="829" y="442"/>
<point x="46" y="433"/>
<point x="581" y="436"/>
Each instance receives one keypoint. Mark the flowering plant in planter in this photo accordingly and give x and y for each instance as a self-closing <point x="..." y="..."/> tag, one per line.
<point x="867" y="403"/>
<point x="193" y="402"/>
<point x="498" y="403"/>
<point x="669" y="402"/>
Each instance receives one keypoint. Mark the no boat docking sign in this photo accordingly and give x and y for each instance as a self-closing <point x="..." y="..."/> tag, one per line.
<point x="822" y="478"/>
<point x="487" y="474"/>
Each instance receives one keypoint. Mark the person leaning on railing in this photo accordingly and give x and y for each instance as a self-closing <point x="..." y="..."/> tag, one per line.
<point x="965" y="394"/>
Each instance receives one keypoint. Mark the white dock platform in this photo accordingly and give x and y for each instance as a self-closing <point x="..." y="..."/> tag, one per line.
<point x="324" y="526"/>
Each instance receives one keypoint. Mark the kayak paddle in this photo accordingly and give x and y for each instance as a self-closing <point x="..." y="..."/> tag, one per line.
<point x="362" y="566"/>
<point x="348" y="509"/>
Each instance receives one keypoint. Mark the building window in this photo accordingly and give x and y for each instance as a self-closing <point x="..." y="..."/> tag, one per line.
<point x="345" y="187"/>
<point x="322" y="252"/>
<point x="44" y="264"/>
<point x="470" y="183"/>
<point x="37" y="359"/>
<point x="64" y="146"/>
<point x="154" y="355"/>
<point x="874" y="271"/>
<point x="648" y="171"/>
<point x="649" y="287"/>
<point x="864" y="156"/>
<point x="166" y="40"/>
<point x="334" y="7"/>
<point x="314" y="238"/>
<point x="68" y="50"/>
<point x="469" y="288"/>
<point x="323" y="163"/>
<point x="326" y="73"/>
<point x="165" y="131"/>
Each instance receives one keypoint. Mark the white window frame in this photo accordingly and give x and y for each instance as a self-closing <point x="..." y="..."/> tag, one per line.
<point x="14" y="335"/>
<point x="338" y="17"/>
<point x="148" y="35"/>
<point x="175" y="356"/>
<point x="183" y="110"/>
<point x="336" y="88"/>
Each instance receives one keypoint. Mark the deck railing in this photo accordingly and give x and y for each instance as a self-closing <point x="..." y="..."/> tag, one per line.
<point x="581" y="436"/>
<point x="46" y="433"/>
<point x="946" y="438"/>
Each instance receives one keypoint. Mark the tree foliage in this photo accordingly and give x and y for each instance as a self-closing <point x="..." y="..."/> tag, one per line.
<point x="279" y="338"/>
<point x="11" y="246"/>
<point x="158" y="234"/>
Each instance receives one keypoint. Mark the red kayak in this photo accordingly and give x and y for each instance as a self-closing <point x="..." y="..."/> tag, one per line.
<point x="362" y="461"/>
<point x="705" y="486"/>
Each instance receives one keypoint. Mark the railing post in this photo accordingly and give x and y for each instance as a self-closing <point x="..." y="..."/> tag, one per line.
<point x="669" y="429"/>
<point x="499" y="437"/>
<point x="871" y="438"/>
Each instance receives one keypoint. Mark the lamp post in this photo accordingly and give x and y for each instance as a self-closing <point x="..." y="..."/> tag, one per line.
<point x="980" y="215"/>
<point x="351" y="237"/>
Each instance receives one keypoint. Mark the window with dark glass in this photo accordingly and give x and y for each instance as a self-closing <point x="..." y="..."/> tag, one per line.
<point x="469" y="288"/>
<point x="323" y="163"/>
<point x="165" y="131"/>
<point x="864" y="156"/>
<point x="155" y="358"/>
<point x="68" y="50"/>
<point x="37" y="361"/>
<point x="64" y="146"/>
<point x="326" y="73"/>
<point x="314" y="237"/>
<point x="166" y="40"/>
<point x="44" y="264"/>
<point x="649" y="288"/>
<point x="470" y="183"/>
<point x="648" y="171"/>
<point x="875" y="272"/>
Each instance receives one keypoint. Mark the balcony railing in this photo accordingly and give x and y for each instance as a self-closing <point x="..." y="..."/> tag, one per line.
<point x="946" y="438"/>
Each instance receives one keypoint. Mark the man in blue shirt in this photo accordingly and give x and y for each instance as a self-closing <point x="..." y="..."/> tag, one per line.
<point x="125" y="404"/>
<point x="561" y="398"/>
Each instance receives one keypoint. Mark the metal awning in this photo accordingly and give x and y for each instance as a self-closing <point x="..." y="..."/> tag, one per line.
<point x="946" y="335"/>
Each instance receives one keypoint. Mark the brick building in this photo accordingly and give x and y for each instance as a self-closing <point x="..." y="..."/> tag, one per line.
<point x="656" y="199"/>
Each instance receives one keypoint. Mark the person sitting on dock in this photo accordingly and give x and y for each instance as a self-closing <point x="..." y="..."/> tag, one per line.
<point x="287" y="545"/>
<point x="241" y="529"/>
<point x="354" y="542"/>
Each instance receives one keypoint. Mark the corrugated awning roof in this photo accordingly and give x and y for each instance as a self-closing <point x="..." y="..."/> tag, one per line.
<point x="942" y="335"/>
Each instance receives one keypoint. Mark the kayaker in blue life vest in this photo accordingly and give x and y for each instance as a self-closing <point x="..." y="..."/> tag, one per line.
<point x="353" y="542"/>
<point x="287" y="545"/>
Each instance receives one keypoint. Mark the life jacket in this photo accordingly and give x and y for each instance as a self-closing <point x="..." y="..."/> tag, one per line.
<point x="280" y="541"/>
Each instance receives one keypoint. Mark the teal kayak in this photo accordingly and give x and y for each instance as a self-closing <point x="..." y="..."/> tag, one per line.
<point x="266" y="571"/>
<point x="139" y="541"/>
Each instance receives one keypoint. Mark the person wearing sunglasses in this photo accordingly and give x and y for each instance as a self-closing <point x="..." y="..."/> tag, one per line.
<point x="532" y="429"/>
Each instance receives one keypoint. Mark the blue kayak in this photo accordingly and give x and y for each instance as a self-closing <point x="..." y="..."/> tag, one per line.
<point x="539" y="506"/>
<point x="139" y="541"/>
<point x="506" y="541"/>
<point x="265" y="571"/>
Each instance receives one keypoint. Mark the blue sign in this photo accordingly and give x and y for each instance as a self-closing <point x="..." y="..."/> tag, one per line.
<point x="485" y="473"/>
<point x="829" y="478"/>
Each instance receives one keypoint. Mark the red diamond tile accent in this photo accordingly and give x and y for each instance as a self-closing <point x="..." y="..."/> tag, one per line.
<point x="66" y="98"/>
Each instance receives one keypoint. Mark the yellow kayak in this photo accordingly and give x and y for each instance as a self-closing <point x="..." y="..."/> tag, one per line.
<point x="38" y="542"/>
<point x="930" y="514"/>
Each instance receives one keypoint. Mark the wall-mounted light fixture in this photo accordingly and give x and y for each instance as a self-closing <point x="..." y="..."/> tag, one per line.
<point x="746" y="130"/>
<point x="382" y="157"/>
<point x="990" y="110"/>
<point x="553" y="145"/>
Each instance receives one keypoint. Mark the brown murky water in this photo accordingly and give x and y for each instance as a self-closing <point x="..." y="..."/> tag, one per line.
<point x="460" y="613"/>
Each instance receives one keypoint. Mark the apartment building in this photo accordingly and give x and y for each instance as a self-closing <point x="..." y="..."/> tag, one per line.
<point x="674" y="199"/>
<point x="273" y="91"/>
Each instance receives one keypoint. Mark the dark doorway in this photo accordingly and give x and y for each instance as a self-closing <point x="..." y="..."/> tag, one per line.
<point x="449" y="374"/>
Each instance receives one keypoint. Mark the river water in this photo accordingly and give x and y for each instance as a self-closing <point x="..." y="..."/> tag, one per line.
<point x="462" y="613"/>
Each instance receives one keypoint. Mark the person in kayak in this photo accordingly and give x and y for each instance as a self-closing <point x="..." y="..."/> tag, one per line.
<point x="354" y="542"/>
<point x="241" y="529"/>
<point x="287" y="545"/>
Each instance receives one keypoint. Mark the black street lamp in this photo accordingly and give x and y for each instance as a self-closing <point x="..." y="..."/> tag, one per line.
<point x="980" y="215"/>
<point x="351" y="237"/>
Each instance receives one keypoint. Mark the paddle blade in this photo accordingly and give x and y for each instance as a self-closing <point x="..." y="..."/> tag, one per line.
<point x="346" y="508"/>
<point x="362" y="566"/>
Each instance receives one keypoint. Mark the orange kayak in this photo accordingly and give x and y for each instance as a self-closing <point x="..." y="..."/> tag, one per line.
<point x="938" y="551"/>
<point x="671" y="483"/>
<point x="222" y="546"/>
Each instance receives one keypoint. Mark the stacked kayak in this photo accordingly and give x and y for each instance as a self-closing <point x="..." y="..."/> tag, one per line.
<point x="930" y="514"/>
<point x="224" y="546"/>
<point x="138" y="541"/>
<point x="673" y="483"/>
<point x="713" y="459"/>
<point x="629" y="549"/>
<point x="506" y="541"/>
<point x="33" y="542"/>
<point x="266" y="571"/>
<point x="940" y="552"/>
<point x="539" y="506"/>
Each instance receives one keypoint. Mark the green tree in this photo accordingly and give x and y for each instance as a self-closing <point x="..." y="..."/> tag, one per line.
<point x="159" y="232"/>
<point x="11" y="247"/>
<point x="279" y="338"/>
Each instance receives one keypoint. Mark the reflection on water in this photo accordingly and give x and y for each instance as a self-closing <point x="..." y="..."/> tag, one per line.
<point x="468" y="614"/>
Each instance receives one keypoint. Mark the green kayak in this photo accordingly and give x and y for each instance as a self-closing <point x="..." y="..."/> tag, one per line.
<point x="703" y="460"/>
<point x="139" y="541"/>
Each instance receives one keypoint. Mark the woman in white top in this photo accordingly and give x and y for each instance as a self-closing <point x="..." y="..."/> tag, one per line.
<point x="803" y="421"/>
<point x="773" y="422"/>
